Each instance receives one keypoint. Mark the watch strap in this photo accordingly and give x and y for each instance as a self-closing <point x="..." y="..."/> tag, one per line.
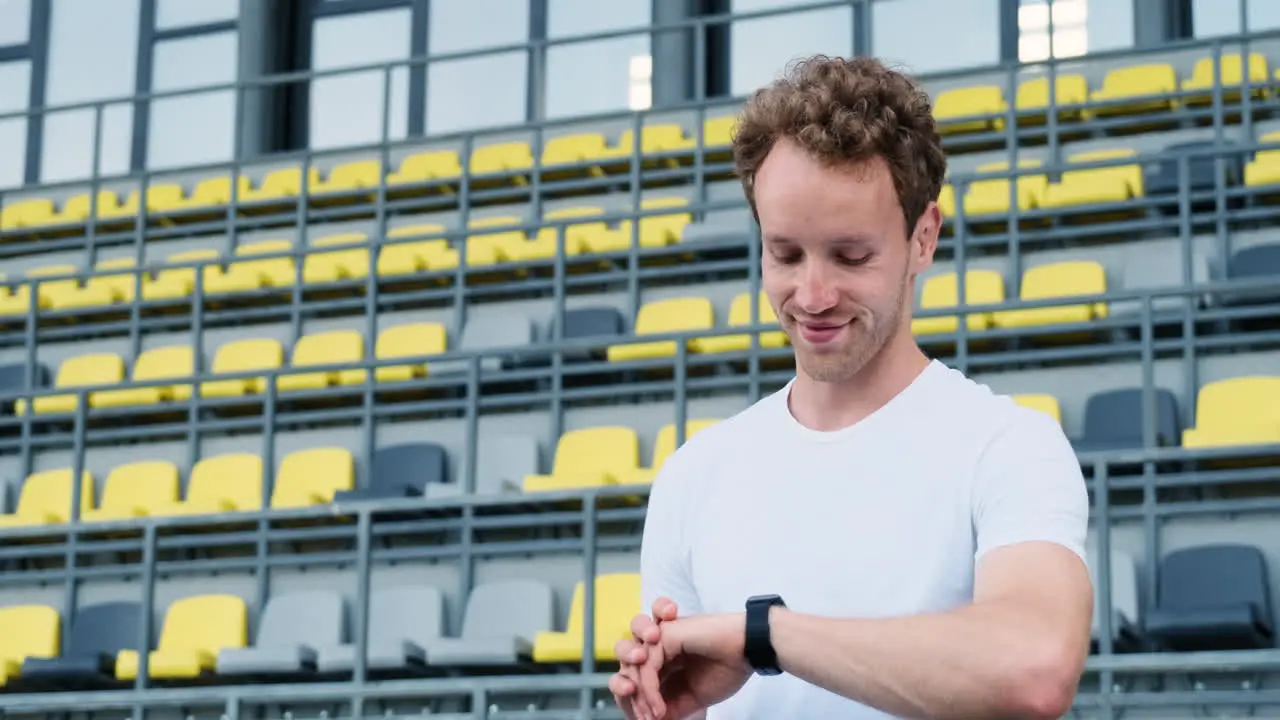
<point x="758" y="647"/>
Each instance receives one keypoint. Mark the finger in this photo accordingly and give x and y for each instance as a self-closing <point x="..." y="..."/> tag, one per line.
<point x="664" y="609"/>
<point x="622" y="689"/>
<point x="650" y="687"/>
<point x="645" y="629"/>
<point x="639" y="700"/>
<point x="630" y="652"/>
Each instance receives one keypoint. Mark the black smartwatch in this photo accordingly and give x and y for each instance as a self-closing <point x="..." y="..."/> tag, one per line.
<point x="759" y="646"/>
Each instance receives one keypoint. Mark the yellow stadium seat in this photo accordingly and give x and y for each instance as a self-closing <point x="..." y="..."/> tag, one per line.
<point x="350" y="176"/>
<point x="78" y="372"/>
<point x="171" y="362"/>
<point x="26" y="213"/>
<point x="311" y="477"/>
<point x="136" y="489"/>
<point x="660" y="317"/>
<point x="1071" y="89"/>
<point x="1232" y="78"/>
<point x="325" y="348"/>
<point x="278" y="184"/>
<point x="740" y="316"/>
<point x="55" y="293"/>
<point x="175" y="283"/>
<point x="663" y="446"/>
<point x="573" y="149"/>
<point x="505" y="241"/>
<point x="617" y="601"/>
<point x="579" y="237"/>
<point x="27" y="631"/>
<point x="1136" y="89"/>
<point x="1063" y="281"/>
<point x="656" y="231"/>
<point x="46" y="498"/>
<point x="1237" y="411"/>
<point x="947" y="201"/>
<point x="349" y="263"/>
<point x="223" y="483"/>
<point x="718" y="132"/>
<point x="981" y="287"/>
<point x="654" y="139"/>
<point x="240" y="356"/>
<point x="990" y="196"/>
<point x="1047" y="404"/>
<point x="207" y="194"/>
<point x="247" y="275"/>
<point x="1091" y="186"/>
<point x="501" y="158"/>
<point x="426" y="166"/>
<point x="1264" y="168"/>
<point x="15" y="300"/>
<point x="589" y="457"/>
<point x="411" y="258"/>
<point x="112" y="283"/>
<point x="76" y="208"/>
<point x="411" y="340"/>
<point x="959" y="110"/>
<point x="195" y="629"/>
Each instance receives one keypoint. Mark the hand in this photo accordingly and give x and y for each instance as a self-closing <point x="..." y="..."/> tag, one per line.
<point x="641" y="660"/>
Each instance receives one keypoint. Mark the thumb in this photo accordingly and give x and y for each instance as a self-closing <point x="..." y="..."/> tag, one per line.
<point x="664" y="609"/>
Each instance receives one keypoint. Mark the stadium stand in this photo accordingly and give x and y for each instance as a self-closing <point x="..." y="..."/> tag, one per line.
<point x="379" y="441"/>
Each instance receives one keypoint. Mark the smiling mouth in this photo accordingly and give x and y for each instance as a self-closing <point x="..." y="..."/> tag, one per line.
<point x="821" y="334"/>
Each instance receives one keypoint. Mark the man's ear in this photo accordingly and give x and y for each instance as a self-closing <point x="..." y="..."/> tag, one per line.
<point x="924" y="242"/>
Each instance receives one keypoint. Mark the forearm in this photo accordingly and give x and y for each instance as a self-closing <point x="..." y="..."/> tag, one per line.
<point x="978" y="661"/>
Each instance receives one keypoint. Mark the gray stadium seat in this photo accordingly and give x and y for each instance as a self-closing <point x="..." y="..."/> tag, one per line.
<point x="722" y="226"/>
<point x="500" y="469"/>
<point x="603" y="323"/>
<point x="1161" y="176"/>
<point x="401" y="471"/>
<point x="488" y="333"/>
<point x="290" y="629"/>
<point x="1113" y="420"/>
<point x="1213" y="597"/>
<point x="1124" y="600"/>
<point x="98" y="634"/>
<point x="1259" y="261"/>
<point x="1160" y="270"/>
<point x="403" y="622"/>
<point x="499" y="625"/>
<point x="13" y="381"/>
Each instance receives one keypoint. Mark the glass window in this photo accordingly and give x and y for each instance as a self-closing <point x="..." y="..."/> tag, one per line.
<point x="15" y="86"/>
<point x="92" y="56"/>
<point x="192" y="129"/>
<point x="184" y="13"/>
<point x="1212" y="18"/>
<point x="597" y="76"/>
<point x="959" y="33"/>
<point x="761" y="48"/>
<point x="346" y="109"/>
<point x="1079" y="27"/>
<point x="453" y="103"/>
<point x="15" y="22"/>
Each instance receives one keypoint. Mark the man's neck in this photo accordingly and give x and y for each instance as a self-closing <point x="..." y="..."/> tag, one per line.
<point x="831" y="406"/>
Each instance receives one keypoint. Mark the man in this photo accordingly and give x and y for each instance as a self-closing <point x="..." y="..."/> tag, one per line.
<point x="883" y="537"/>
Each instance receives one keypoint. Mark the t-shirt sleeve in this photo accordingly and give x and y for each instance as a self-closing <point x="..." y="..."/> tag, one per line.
<point x="664" y="550"/>
<point x="1030" y="488"/>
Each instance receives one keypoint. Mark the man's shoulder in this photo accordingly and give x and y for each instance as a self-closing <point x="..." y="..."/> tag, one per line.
<point x="699" y="452"/>
<point x="972" y="406"/>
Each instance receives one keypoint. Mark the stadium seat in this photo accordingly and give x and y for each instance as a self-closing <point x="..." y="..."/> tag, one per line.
<point x="1042" y="402"/>
<point x="14" y="381"/>
<point x="1212" y="597"/>
<point x="1146" y="270"/>
<point x="579" y="237"/>
<point x="99" y="633"/>
<point x="54" y="289"/>
<point x="501" y="240"/>
<point x="499" y="625"/>
<point x="195" y="630"/>
<point x="348" y="263"/>
<point x="504" y="157"/>
<point x="961" y="110"/>
<point x="663" y="446"/>
<point x="46" y="499"/>
<point x="26" y="213"/>
<point x="1236" y="411"/>
<point x="500" y="470"/>
<point x="349" y="177"/>
<point x="400" y="471"/>
<point x="278" y="184"/>
<point x="27" y="631"/>
<point x="1061" y="280"/>
<point x="484" y="334"/>
<point x="1095" y="186"/>
<point x="410" y="258"/>
<point x="1136" y="89"/>
<point x="589" y="457"/>
<point x="231" y="482"/>
<point x="617" y="601"/>
<point x="241" y="356"/>
<point x="412" y="340"/>
<point x="79" y="372"/>
<point x="206" y="195"/>
<point x="600" y="323"/>
<point x="136" y="489"/>
<point x="180" y="282"/>
<point x="717" y="132"/>
<point x="15" y="300"/>
<point x="721" y="226"/>
<point x="1252" y="263"/>
<point x="990" y="196"/>
<point x="312" y="477"/>
<point x="1264" y="168"/>
<point x="1071" y="93"/>
<point x="248" y="275"/>
<point x="655" y="230"/>
<point x="662" y="317"/>
<point x="1113" y="420"/>
<point x="1125" y="608"/>
<point x="1231" y="78"/>
<point x="112" y="282"/>
<point x="740" y="316"/>
<point x="403" y="622"/>
<point x="1160" y="177"/>
<point x="981" y="287"/>
<point x="947" y="201"/>
<point x="291" y="627"/>
<point x="426" y="166"/>
<point x="334" y="347"/>
<point x="161" y="363"/>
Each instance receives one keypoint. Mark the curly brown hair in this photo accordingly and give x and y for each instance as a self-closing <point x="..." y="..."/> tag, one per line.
<point x="847" y="111"/>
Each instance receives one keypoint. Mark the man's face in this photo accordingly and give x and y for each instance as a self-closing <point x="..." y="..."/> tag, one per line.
<point x="836" y="265"/>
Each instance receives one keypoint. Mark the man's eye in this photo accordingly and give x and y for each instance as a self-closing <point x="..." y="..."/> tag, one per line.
<point x="862" y="260"/>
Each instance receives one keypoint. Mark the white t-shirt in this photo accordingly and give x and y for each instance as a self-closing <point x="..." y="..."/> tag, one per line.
<point x="886" y="517"/>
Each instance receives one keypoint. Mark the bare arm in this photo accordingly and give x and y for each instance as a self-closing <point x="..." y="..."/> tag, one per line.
<point x="1016" y="652"/>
